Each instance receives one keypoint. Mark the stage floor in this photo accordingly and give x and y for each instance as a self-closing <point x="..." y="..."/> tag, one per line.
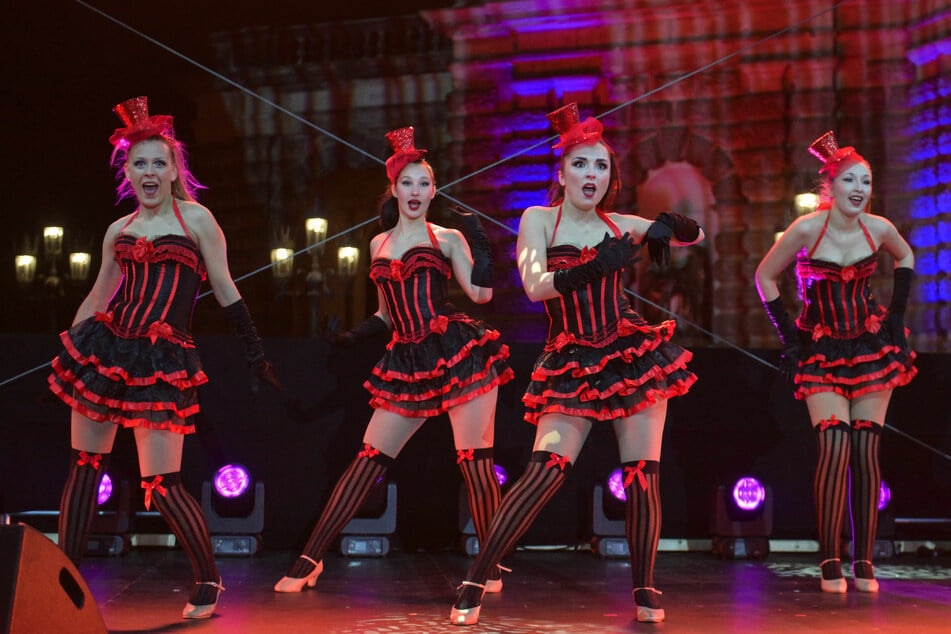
<point x="548" y="591"/>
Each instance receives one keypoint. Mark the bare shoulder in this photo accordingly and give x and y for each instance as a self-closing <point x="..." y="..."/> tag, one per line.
<point x="539" y="216"/>
<point x="877" y="225"/>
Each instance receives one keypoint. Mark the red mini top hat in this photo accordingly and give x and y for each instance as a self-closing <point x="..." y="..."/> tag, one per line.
<point x="404" y="152"/>
<point x="139" y="126"/>
<point x="571" y="129"/>
<point x="827" y="150"/>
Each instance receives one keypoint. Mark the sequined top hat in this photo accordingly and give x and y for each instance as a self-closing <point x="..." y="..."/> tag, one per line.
<point x="404" y="152"/>
<point x="827" y="150"/>
<point x="139" y="126"/>
<point x="571" y="129"/>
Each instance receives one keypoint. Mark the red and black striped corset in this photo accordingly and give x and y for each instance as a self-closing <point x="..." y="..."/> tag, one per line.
<point x="589" y="316"/>
<point x="415" y="290"/>
<point x="161" y="280"/>
<point x="837" y="300"/>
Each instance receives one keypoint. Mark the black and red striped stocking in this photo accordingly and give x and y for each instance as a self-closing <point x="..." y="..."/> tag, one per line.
<point x="831" y="482"/>
<point x="77" y="507"/>
<point x="642" y="518"/>
<point x="866" y="481"/>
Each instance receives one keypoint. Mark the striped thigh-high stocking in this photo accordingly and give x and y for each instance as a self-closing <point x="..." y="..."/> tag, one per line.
<point x="348" y="496"/>
<point x="77" y="507"/>
<point x="184" y="516"/>
<point x="543" y="476"/>
<point x="866" y="480"/>
<point x="478" y="473"/>
<point x="642" y="518"/>
<point x="831" y="482"/>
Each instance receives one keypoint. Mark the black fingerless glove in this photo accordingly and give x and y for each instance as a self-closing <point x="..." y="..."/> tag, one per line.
<point x="240" y="317"/>
<point x="788" y="335"/>
<point x="370" y="327"/>
<point x="666" y="225"/>
<point x="479" y="245"/>
<point x="903" y="277"/>
<point x="612" y="254"/>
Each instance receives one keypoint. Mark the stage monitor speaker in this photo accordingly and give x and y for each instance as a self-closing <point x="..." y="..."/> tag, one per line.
<point x="40" y="588"/>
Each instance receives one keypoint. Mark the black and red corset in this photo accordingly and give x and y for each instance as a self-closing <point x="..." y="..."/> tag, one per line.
<point x="590" y="315"/>
<point x="160" y="283"/>
<point x="415" y="290"/>
<point x="837" y="300"/>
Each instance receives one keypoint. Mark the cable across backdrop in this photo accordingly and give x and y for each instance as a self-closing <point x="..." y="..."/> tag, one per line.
<point x="710" y="109"/>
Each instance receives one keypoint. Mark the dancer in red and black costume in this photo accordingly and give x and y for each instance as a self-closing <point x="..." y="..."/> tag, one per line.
<point x="439" y="360"/>
<point x="845" y="353"/>
<point x="601" y="362"/>
<point x="130" y="360"/>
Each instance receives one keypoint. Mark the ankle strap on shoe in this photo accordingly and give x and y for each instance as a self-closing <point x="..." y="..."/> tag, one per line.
<point x="471" y="583"/>
<point x="213" y="584"/>
<point x="648" y="588"/>
<point x="305" y="557"/>
<point x="826" y="561"/>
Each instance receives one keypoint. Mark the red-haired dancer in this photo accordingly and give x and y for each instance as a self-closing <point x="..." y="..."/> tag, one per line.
<point x="439" y="360"/>
<point x="602" y="361"/>
<point x="130" y="360"/>
<point x="845" y="353"/>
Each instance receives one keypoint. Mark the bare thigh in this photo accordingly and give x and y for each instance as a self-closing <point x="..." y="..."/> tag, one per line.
<point x="562" y="434"/>
<point x="89" y="435"/>
<point x="389" y="431"/>
<point x="640" y="437"/>
<point x="160" y="451"/>
<point x="871" y="406"/>
<point x="473" y="422"/>
<point x="825" y="405"/>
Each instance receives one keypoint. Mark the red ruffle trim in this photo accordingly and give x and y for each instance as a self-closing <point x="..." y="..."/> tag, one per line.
<point x="444" y="406"/>
<point x="664" y="332"/>
<point x="854" y="361"/>
<point x="162" y="252"/>
<point x="122" y="420"/>
<point x="650" y="398"/>
<point x="624" y="387"/>
<point x="443" y="364"/>
<point x="453" y="383"/>
<point x="904" y="378"/>
<point x="180" y="379"/>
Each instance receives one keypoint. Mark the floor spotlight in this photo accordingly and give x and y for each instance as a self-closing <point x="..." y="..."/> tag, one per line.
<point x="742" y="520"/>
<point x="470" y="542"/>
<point x="884" y="546"/>
<point x="234" y="510"/>
<point x="367" y="534"/>
<point x="607" y="517"/>
<point x="109" y="533"/>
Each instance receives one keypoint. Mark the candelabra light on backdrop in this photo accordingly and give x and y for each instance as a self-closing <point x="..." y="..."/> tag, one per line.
<point x="47" y="271"/>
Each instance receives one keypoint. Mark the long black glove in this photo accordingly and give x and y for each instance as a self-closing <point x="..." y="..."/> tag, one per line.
<point x="666" y="225"/>
<point x="370" y="327"/>
<point x="612" y="254"/>
<point x="479" y="245"/>
<point x="788" y="335"/>
<point x="903" y="277"/>
<point x="240" y="317"/>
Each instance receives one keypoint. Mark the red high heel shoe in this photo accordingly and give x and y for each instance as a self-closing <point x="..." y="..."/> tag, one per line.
<point x="205" y="610"/>
<point x="296" y="584"/>
<point x="468" y="615"/>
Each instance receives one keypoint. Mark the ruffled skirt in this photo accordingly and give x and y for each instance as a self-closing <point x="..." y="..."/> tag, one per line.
<point x="614" y="379"/>
<point x="133" y="382"/>
<point x="456" y="360"/>
<point x="851" y="367"/>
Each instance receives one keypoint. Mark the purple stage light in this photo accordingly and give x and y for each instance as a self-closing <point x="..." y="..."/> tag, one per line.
<point x="105" y="490"/>
<point x="232" y="481"/>
<point x="748" y="494"/>
<point x="884" y="495"/>
<point x="501" y="475"/>
<point x="616" y="485"/>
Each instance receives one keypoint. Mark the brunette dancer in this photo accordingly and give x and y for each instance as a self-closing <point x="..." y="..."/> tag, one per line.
<point x="439" y="359"/>
<point x="845" y="352"/>
<point x="601" y="362"/>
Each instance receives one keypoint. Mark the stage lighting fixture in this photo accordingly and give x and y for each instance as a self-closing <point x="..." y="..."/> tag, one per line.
<point x="367" y="534"/>
<point x="109" y="533"/>
<point x="234" y="510"/>
<point x="742" y="520"/>
<point x="884" y="546"/>
<point x="607" y="518"/>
